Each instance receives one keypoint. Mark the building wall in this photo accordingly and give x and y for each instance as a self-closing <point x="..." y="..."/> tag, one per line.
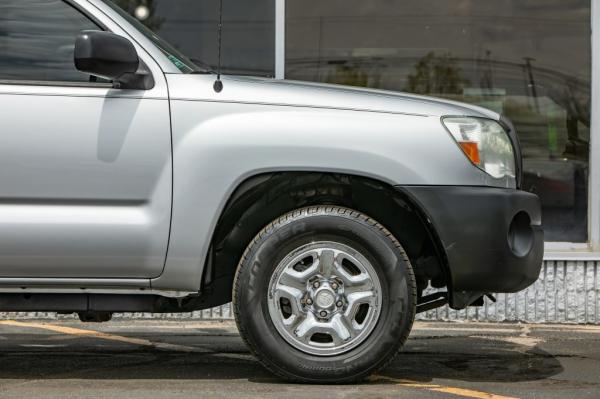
<point x="566" y="292"/>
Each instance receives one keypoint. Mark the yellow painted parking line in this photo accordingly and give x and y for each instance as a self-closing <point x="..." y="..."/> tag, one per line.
<point x="469" y="393"/>
<point x="106" y="336"/>
<point x="466" y="393"/>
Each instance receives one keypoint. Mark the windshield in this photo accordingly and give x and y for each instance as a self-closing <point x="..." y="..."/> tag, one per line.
<point x="183" y="63"/>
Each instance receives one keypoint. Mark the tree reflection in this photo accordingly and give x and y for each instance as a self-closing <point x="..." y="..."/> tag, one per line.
<point x="438" y="74"/>
<point x="351" y="75"/>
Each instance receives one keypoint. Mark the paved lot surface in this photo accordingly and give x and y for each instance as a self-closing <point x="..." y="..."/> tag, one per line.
<point x="158" y="359"/>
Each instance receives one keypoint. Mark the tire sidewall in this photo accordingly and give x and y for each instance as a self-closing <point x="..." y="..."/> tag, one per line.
<point x="363" y="235"/>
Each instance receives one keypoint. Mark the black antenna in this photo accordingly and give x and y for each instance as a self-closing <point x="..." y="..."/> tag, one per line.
<point x="218" y="86"/>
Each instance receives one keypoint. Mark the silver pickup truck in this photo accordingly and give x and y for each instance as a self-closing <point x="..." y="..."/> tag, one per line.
<point x="330" y="216"/>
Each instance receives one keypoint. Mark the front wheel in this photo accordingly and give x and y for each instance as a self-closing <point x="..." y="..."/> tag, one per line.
<point x="324" y="294"/>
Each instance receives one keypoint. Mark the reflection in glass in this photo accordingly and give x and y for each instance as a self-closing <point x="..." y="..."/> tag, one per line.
<point x="191" y="26"/>
<point x="528" y="60"/>
<point x="37" y="40"/>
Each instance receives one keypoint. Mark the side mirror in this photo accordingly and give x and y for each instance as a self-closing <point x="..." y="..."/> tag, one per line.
<point x="110" y="56"/>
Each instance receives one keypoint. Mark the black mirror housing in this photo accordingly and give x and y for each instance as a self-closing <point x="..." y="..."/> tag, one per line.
<point x="106" y="55"/>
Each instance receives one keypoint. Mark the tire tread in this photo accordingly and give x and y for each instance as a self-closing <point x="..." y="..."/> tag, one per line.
<point x="288" y="218"/>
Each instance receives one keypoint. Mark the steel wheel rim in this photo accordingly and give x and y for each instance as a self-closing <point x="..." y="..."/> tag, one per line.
<point x="324" y="298"/>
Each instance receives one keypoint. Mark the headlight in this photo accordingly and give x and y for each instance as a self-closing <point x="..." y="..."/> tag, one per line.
<point x="485" y="143"/>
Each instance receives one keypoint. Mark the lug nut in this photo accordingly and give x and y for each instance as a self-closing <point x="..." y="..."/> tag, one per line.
<point x="316" y="284"/>
<point x="323" y="313"/>
<point x="309" y="301"/>
<point x="334" y="286"/>
<point x="339" y="304"/>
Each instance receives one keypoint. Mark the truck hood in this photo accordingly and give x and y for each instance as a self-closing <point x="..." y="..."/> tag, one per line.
<point x="316" y="95"/>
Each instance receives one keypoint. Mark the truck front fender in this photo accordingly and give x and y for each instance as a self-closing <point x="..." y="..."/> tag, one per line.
<point x="217" y="145"/>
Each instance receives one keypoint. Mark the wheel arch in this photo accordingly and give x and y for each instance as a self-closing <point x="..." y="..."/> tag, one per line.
<point x="261" y="198"/>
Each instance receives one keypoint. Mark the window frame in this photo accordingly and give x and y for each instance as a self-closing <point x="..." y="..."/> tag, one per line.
<point x="553" y="250"/>
<point x="594" y="178"/>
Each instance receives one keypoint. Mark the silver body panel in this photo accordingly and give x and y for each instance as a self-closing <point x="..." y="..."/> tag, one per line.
<point x="221" y="139"/>
<point x="85" y="178"/>
<point x="83" y="197"/>
<point x="102" y="184"/>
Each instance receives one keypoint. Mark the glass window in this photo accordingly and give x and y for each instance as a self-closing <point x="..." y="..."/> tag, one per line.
<point x="181" y="61"/>
<point x="191" y="26"/>
<point x="37" y="40"/>
<point x="530" y="60"/>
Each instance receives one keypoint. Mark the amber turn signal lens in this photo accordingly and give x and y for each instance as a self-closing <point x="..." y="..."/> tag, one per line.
<point x="470" y="148"/>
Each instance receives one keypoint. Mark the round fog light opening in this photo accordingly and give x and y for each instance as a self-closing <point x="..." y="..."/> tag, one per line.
<point x="520" y="234"/>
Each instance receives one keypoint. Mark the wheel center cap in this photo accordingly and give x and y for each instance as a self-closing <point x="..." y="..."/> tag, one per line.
<point x="325" y="299"/>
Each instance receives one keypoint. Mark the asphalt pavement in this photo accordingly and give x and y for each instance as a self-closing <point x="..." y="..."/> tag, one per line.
<point x="152" y="359"/>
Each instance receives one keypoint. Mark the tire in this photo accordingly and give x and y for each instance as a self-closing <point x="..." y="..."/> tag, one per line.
<point x="336" y="243"/>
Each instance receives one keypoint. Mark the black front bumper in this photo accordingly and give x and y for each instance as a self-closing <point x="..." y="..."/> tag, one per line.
<point x="492" y="237"/>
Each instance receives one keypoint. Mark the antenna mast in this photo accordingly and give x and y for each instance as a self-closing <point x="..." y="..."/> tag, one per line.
<point x="218" y="86"/>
